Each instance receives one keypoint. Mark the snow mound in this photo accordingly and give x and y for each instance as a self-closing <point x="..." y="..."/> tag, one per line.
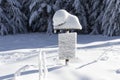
<point x="64" y="20"/>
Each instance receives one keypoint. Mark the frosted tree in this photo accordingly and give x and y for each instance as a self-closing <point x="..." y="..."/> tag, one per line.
<point x="3" y="23"/>
<point x="111" y="18"/>
<point x="16" y="23"/>
<point x="34" y="15"/>
<point x="79" y="7"/>
<point x="58" y="5"/>
<point x="25" y="6"/>
<point x="49" y="21"/>
<point x="41" y="16"/>
<point x="96" y="14"/>
<point x="104" y="17"/>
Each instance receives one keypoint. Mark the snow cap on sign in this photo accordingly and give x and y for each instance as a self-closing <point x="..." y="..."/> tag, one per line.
<point x="64" y="20"/>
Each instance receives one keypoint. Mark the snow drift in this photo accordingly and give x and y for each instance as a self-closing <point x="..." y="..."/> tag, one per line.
<point x="64" y="20"/>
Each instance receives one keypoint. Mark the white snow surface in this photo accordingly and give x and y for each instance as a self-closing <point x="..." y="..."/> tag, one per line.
<point x="64" y="20"/>
<point x="98" y="57"/>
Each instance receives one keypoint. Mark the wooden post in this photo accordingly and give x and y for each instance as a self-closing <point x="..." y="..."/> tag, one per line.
<point x="66" y="61"/>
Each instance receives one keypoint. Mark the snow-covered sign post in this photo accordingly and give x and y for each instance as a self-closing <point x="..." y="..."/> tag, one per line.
<point x="62" y="20"/>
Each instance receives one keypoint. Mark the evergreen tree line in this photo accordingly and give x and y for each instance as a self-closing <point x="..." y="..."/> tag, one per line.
<point x="95" y="16"/>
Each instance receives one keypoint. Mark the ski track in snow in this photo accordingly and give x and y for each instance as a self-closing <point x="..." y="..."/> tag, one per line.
<point x="15" y="49"/>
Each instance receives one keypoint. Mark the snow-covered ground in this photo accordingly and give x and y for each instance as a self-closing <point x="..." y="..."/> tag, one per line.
<point x="97" y="58"/>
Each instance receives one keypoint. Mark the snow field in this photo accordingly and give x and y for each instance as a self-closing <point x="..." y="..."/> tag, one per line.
<point x="97" y="58"/>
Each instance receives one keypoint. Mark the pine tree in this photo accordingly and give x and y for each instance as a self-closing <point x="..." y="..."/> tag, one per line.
<point x="14" y="17"/>
<point x="80" y="12"/>
<point x="39" y="15"/>
<point x="3" y="23"/>
<point x="111" y="18"/>
<point x="96" y="14"/>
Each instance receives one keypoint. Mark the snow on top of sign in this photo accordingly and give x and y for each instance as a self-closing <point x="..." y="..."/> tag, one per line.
<point x="59" y="17"/>
<point x="63" y="20"/>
